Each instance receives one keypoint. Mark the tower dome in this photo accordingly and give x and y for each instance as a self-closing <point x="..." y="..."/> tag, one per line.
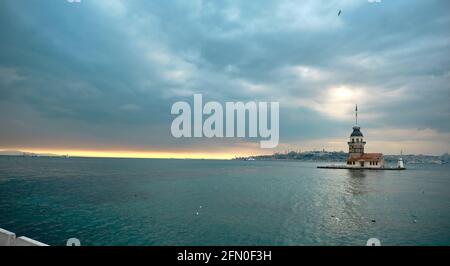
<point x="356" y="132"/>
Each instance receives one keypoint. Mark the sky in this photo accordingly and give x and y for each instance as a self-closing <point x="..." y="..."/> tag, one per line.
<point x="98" y="78"/>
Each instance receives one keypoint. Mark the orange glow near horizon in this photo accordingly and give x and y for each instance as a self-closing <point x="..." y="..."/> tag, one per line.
<point x="133" y="154"/>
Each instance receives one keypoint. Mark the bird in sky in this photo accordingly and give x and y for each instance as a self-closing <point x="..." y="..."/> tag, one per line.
<point x="339" y="13"/>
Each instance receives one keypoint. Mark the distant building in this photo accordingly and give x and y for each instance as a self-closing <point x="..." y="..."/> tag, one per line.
<point x="356" y="156"/>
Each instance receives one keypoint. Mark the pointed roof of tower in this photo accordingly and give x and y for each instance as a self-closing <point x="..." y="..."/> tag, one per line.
<point x="356" y="129"/>
<point x="356" y="132"/>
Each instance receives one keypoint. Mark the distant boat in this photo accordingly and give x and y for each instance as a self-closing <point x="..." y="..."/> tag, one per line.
<point x="251" y="159"/>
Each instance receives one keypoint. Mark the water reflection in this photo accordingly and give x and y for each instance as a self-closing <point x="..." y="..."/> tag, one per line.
<point x="356" y="182"/>
<point x="356" y="173"/>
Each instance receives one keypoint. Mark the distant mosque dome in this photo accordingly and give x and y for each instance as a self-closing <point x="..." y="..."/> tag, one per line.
<point x="356" y="132"/>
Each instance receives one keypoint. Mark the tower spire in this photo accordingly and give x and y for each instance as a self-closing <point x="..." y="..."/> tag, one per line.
<point x="356" y="114"/>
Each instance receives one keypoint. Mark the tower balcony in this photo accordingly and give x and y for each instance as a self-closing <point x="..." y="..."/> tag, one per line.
<point x="361" y="142"/>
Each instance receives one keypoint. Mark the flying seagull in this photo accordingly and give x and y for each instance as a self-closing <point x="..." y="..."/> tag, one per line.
<point x="339" y="13"/>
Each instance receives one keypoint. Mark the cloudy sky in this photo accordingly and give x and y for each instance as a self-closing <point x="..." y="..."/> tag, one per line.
<point x="99" y="77"/>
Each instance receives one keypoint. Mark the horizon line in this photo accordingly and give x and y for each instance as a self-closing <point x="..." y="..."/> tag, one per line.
<point x="156" y="155"/>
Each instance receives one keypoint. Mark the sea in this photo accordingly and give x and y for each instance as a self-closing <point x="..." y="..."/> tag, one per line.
<point x="165" y="202"/>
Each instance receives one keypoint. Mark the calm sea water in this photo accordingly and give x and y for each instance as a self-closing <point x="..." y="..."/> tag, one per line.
<point x="155" y="202"/>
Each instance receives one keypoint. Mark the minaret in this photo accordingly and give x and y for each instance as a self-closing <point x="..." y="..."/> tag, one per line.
<point x="356" y="143"/>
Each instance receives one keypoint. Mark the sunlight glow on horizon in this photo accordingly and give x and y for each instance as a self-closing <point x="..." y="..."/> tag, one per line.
<point x="131" y="154"/>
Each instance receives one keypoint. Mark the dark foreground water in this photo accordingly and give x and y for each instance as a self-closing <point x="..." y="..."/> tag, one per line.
<point x="155" y="202"/>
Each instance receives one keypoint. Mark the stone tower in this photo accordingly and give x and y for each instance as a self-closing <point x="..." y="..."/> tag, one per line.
<point x="356" y="143"/>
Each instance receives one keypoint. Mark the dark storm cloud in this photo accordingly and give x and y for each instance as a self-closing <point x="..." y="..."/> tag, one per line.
<point x="102" y="71"/>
